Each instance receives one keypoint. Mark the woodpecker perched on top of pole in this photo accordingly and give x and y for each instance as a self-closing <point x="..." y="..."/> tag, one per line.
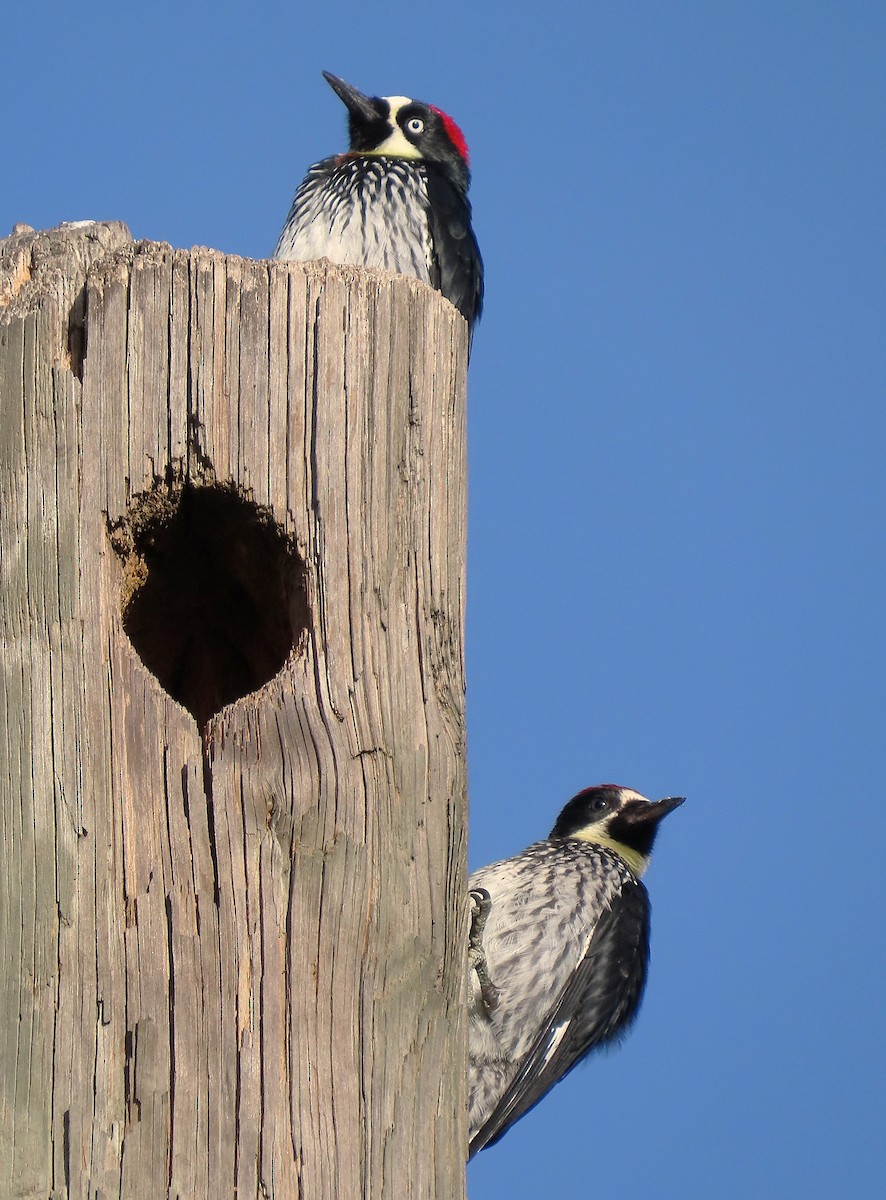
<point x="558" y="954"/>
<point x="396" y="199"/>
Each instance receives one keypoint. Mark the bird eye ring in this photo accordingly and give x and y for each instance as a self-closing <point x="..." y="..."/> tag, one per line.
<point x="415" y="125"/>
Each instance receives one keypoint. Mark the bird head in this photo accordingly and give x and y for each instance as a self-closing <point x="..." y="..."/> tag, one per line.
<point x="618" y="818"/>
<point x="397" y="127"/>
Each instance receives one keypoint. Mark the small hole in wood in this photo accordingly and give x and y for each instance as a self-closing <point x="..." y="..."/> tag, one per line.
<point x="214" y="596"/>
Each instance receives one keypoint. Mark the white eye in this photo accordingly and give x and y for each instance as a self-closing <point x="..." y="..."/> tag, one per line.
<point x="415" y="125"/>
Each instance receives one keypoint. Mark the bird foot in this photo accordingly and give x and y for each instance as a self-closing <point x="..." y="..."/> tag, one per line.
<point x="481" y="905"/>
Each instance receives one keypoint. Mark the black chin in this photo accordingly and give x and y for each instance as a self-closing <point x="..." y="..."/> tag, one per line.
<point x="637" y="823"/>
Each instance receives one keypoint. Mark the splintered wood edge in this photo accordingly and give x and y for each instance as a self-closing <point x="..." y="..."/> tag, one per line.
<point x="32" y="261"/>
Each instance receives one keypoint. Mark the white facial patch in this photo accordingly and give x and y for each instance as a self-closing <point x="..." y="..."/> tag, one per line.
<point x="627" y="794"/>
<point x="397" y="145"/>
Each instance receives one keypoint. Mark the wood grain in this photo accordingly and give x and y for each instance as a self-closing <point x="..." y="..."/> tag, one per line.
<point x="232" y="953"/>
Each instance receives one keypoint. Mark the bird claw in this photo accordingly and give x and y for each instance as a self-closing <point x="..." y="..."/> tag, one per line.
<point x="481" y="905"/>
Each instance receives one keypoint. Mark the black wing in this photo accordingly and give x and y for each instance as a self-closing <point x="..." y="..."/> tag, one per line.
<point x="458" y="268"/>
<point x="599" y="1002"/>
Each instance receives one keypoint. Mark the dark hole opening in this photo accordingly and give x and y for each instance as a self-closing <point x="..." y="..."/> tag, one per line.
<point x="214" y="596"/>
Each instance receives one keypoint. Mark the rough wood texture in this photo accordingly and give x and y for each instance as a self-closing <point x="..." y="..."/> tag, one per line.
<point x="232" y="956"/>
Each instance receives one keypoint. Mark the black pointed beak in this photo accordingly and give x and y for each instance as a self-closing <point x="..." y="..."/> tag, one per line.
<point x="359" y="106"/>
<point x="636" y="813"/>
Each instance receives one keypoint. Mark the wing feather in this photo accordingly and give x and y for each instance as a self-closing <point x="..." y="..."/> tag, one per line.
<point x="458" y="274"/>
<point x="598" y="1002"/>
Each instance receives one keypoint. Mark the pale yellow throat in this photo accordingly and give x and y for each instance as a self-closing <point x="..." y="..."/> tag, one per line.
<point x="636" y="861"/>
<point x="397" y="145"/>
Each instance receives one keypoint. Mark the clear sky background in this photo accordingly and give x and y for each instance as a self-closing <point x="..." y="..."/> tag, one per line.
<point x="677" y="500"/>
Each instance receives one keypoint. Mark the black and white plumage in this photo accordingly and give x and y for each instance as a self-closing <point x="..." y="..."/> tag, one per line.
<point x="397" y="199"/>
<point x="560" y="948"/>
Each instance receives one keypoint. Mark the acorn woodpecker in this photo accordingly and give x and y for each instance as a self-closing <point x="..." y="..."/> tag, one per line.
<point x="558" y="953"/>
<point x="396" y="199"/>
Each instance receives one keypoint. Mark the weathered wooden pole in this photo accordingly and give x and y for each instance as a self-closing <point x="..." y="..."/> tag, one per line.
<point x="232" y="774"/>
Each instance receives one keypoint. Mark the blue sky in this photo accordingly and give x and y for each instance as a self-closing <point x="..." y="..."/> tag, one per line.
<point x="677" y="499"/>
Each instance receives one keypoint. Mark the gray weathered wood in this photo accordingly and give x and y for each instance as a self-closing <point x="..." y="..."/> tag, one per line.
<point x="232" y="956"/>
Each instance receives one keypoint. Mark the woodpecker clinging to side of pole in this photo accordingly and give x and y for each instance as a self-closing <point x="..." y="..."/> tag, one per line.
<point x="559" y="951"/>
